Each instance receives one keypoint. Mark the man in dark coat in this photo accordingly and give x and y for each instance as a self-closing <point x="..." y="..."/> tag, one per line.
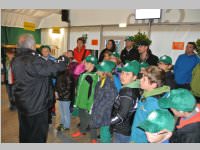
<point x="33" y="90"/>
<point x="146" y="54"/>
<point x="130" y="52"/>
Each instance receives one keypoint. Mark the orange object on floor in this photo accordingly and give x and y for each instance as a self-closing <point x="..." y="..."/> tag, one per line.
<point x="77" y="134"/>
<point x="93" y="141"/>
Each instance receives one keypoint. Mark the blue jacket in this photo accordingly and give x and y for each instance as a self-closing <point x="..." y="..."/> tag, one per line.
<point x="117" y="82"/>
<point x="145" y="106"/>
<point x="183" y="68"/>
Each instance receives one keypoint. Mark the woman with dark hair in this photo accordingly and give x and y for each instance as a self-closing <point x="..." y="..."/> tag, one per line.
<point x="80" y="52"/>
<point x="110" y="47"/>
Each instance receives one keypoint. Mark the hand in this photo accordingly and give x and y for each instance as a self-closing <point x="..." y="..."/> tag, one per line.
<point x="64" y="59"/>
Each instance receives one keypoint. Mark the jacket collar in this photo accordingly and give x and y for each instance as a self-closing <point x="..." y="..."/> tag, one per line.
<point x="156" y="91"/>
<point x="134" y="84"/>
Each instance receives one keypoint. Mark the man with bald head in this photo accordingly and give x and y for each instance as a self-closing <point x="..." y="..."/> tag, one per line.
<point x="33" y="89"/>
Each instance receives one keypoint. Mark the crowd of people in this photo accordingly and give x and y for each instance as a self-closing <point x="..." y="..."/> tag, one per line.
<point x="132" y="97"/>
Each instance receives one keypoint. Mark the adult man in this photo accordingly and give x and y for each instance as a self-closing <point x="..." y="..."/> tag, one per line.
<point x="184" y="66"/>
<point x="130" y="52"/>
<point x="146" y="54"/>
<point x="33" y="90"/>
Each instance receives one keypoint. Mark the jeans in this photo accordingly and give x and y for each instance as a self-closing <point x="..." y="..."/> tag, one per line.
<point x="33" y="129"/>
<point x="64" y="107"/>
<point x="120" y="138"/>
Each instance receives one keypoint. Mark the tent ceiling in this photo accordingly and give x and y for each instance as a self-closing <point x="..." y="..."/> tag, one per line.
<point x="35" y="13"/>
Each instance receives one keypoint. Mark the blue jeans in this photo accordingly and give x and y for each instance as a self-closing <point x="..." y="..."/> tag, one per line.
<point x="64" y="107"/>
<point x="120" y="138"/>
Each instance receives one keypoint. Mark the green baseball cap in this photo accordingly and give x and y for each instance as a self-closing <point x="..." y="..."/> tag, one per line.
<point x="158" y="120"/>
<point x="132" y="66"/>
<point x="129" y="38"/>
<point x="179" y="99"/>
<point x="106" y="66"/>
<point x="144" y="65"/>
<point x="166" y="59"/>
<point x="91" y="59"/>
<point x="116" y="54"/>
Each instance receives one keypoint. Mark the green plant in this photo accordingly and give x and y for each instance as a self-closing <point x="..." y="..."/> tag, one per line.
<point x="141" y="37"/>
<point x="198" y="46"/>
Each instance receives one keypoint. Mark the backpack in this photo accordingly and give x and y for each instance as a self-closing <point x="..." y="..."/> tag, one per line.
<point x="195" y="86"/>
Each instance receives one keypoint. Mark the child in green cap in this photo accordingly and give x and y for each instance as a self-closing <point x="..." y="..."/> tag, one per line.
<point x="85" y="94"/>
<point x="165" y="63"/>
<point x="183" y="105"/>
<point x="152" y="83"/>
<point x="125" y="103"/>
<point x="158" y="126"/>
<point x="105" y="94"/>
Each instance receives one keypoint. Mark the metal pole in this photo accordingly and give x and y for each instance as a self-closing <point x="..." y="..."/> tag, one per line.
<point x="149" y="32"/>
<point x="68" y="36"/>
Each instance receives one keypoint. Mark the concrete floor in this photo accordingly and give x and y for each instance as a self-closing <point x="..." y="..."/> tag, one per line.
<point x="9" y="125"/>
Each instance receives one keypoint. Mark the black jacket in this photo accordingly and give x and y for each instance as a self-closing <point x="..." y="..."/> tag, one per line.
<point x="133" y="54"/>
<point x="152" y="60"/>
<point x="169" y="79"/>
<point x="33" y="86"/>
<point x="65" y="86"/>
<point x="188" y="134"/>
<point x="124" y="110"/>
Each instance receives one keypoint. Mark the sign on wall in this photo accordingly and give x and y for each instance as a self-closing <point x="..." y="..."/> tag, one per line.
<point x="29" y="26"/>
<point x="178" y="45"/>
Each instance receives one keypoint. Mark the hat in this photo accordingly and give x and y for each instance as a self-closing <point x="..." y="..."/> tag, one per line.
<point x="45" y="46"/>
<point x="129" y="38"/>
<point x="116" y="54"/>
<point x="144" y="43"/>
<point x="132" y="66"/>
<point x="106" y="66"/>
<point x="144" y="65"/>
<point x="179" y="99"/>
<point x="91" y="59"/>
<point x="165" y="59"/>
<point x="158" y="120"/>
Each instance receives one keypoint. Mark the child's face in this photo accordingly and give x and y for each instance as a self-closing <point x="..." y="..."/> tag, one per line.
<point x="127" y="77"/>
<point x="177" y="113"/>
<point x="145" y="84"/>
<point x="158" y="137"/>
<point x="163" y="66"/>
<point x="106" y="56"/>
<point x="88" y="66"/>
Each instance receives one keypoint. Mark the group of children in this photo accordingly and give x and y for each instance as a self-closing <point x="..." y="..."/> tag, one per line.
<point x="127" y="103"/>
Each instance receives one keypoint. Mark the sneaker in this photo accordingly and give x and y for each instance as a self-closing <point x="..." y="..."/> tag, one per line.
<point x="60" y="127"/>
<point x="77" y="134"/>
<point x="93" y="141"/>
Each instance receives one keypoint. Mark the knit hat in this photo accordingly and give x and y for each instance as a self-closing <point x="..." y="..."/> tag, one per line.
<point x="106" y="66"/>
<point x="166" y="59"/>
<point x="91" y="59"/>
<point x="158" y="120"/>
<point x="179" y="99"/>
<point x="132" y="66"/>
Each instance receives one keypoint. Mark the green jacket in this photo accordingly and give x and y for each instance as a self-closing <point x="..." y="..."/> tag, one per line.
<point x="85" y="90"/>
<point x="195" y="84"/>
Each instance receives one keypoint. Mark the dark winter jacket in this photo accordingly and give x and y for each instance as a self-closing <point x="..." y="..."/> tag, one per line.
<point x="104" y="98"/>
<point x="33" y="86"/>
<point x="133" y="54"/>
<point x="124" y="109"/>
<point x="188" y="130"/>
<point x="169" y="80"/>
<point x="152" y="60"/>
<point x="65" y="86"/>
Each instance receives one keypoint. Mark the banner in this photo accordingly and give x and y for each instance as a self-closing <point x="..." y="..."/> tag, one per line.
<point x="29" y="26"/>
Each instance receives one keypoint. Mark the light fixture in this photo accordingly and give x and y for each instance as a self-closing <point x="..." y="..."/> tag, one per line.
<point x="122" y="25"/>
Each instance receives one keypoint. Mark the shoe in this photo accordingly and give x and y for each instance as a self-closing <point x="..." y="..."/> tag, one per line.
<point x="60" y="127"/>
<point x="77" y="134"/>
<point x="98" y="136"/>
<point x="93" y="141"/>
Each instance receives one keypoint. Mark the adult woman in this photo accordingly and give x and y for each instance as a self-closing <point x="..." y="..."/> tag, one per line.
<point x="110" y="46"/>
